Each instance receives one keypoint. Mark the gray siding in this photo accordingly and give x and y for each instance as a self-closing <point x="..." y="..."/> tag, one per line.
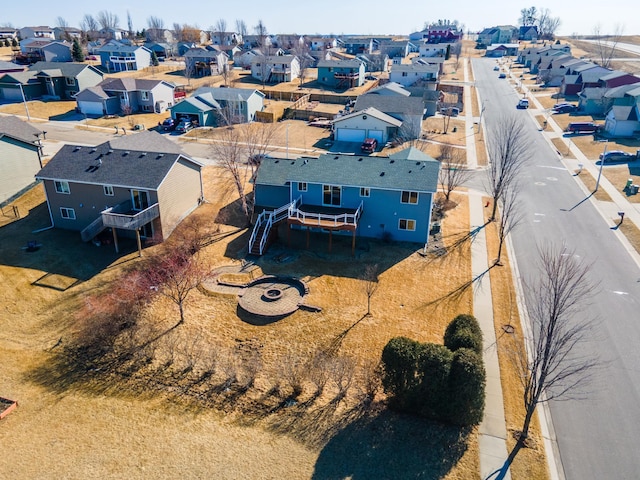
<point x="18" y="165"/>
<point x="179" y="194"/>
<point x="87" y="78"/>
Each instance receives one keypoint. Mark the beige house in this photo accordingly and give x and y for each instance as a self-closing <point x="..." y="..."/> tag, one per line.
<point x="19" y="156"/>
<point x="141" y="184"/>
<point x="368" y="123"/>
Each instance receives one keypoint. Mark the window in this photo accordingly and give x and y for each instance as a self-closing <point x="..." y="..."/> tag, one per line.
<point x="108" y="190"/>
<point x="409" y="197"/>
<point x="364" y="192"/>
<point x="70" y="81"/>
<point x="144" y="95"/>
<point x="146" y="108"/>
<point x="62" y="187"/>
<point x="68" y="213"/>
<point x="404" y="74"/>
<point x="406" y="224"/>
<point x="302" y="186"/>
<point x="331" y="195"/>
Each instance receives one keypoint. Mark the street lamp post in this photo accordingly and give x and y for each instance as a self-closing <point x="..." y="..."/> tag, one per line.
<point x="287" y="141"/>
<point x="604" y="154"/>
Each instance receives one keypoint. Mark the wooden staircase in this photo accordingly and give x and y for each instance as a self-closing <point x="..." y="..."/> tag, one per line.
<point x="263" y="233"/>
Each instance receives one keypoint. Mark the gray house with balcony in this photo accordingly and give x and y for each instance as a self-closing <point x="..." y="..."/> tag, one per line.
<point x="341" y="73"/>
<point x="118" y="57"/>
<point x="140" y="185"/>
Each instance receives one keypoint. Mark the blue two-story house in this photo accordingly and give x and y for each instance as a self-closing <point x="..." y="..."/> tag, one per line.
<point x="387" y="197"/>
<point x="341" y="73"/>
<point x="117" y="57"/>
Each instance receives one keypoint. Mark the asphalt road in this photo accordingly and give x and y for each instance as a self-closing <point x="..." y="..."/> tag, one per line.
<point x="596" y="433"/>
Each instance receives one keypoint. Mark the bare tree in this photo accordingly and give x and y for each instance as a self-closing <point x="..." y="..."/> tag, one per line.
<point x="510" y="217"/>
<point x="558" y="365"/>
<point x="155" y="27"/>
<point x="62" y="23"/>
<point x="220" y="29"/>
<point x="606" y="44"/>
<point x="88" y="23"/>
<point x="129" y="25"/>
<point x="175" y="275"/>
<point x="241" y="27"/>
<point x="547" y="25"/>
<point x="453" y="171"/>
<point x="528" y="16"/>
<point x="261" y="33"/>
<point x="370" y="283"/>
<point x="508" y="151"/>
<point x="107" y="19"/>
<point x="231" y="153"/>
<point x="178" y="32"/>
<point x="456" y="50"/>
<point x="302" y="52"/>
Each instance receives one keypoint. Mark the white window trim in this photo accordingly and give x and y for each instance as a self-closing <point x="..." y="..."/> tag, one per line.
<point x="59" y="187"/>
<point x="108" y="190"/>
<point x="70" y="81"/>
<point x="144" y="95"/>
<point x="365" y="192"/>
<point x="70" y="212"/>
<point x="409" y="202"/>
<point x="302" y="186"/>
<point x="407" y="220"/>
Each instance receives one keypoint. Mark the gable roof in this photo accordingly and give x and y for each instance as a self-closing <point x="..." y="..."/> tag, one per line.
<point x="123" y="162"/>
<point x="8" y="66"/>
<point x="623" y="113"/>
<point x="408" y="169"/>
<point x="130" y="84"/>
<point x="373" y="112"/>
<point x="275" y="59"/>
<point x="391" y="104"/>
<point x="416" y="67"/>
<point x="340" y="63"/>
<point x="393" y="87"/>
<point x="227" y="93"/>
<point x="66" y="69"/>
<point x="621" y="90"/>
<point x="15" y="128"/>
<point x="203" y="53"/>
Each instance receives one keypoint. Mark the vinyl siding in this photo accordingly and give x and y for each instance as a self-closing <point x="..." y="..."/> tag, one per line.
<point x="18" y="165"/>
<point x="178" y="194"/>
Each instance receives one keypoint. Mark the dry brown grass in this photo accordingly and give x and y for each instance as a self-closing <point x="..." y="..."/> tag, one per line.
<point x="562" y="147"/>
<point x="106" y="420"/>
<point x="588" y="146"/>
<point x="587" y="179"/>
<point x="631" y="232"/>
<point x="475" y="108"/>
<point x="149" y="120"/>
<point x="530" y="462"/>
<point x="481" y="149"/>
<point x="619" y="175"/>
<point x="40" y="109"/>
<point x="548" y="100"/>
<point x="543" y="123"/>
<point x="434" y="126"/>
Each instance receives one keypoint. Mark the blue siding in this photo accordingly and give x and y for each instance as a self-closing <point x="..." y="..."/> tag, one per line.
<point x="271" y="196"/>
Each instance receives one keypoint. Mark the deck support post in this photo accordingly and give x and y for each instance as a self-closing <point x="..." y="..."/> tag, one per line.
<point x="115" y="239"/>
<point x="139" y="243"/>
<point x="308" y="235"/>
<point x="330" y="239"/>
<point x="353" y="244"/>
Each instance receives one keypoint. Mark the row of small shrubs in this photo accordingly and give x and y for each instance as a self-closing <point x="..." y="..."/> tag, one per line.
<point x="440" y="382"/>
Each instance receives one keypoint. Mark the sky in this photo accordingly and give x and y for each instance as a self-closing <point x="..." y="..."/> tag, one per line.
<point x="351" y="17"/>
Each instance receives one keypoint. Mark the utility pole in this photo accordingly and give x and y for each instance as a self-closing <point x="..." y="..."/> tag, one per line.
<point x="604" y="154"/>
<point x="24" y="99"/>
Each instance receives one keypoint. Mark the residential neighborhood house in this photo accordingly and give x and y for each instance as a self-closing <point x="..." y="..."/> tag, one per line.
<point x="341" y="74"/>
<point x="275" y="69"/>
<point x="202" y="62"/>
<point x="212" y="107"/>
<point x="118" y="57"/>
<point x="137" y="185"/>
<point x="20" y="156"/>
<point x="368" y="123"/>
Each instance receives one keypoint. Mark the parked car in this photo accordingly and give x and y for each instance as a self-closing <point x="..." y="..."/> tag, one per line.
<point x="502" y="75"/>
<point x="169" y="125"/>
<point x="583" y="127"/>
<point x="564" y="108"/>
<point x="523" y="103"/>
<point x="496" y="68"/>
<point x="184" y="126"/>
<point x="369" y="145"/>
<point x="451" y="111"/>
<point x="618" y="156"/>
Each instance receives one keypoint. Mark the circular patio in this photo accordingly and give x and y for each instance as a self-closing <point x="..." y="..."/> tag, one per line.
<point x="272" y="296"/>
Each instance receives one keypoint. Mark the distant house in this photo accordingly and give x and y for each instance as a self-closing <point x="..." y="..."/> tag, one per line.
<point x="408" y="75"/>
<point x="184" y="47"/>
<point x="37" y="32"/>
<point x="409" y="110"/>
<point x="368" y="123"/>
<point x="118" y="57"/>
<point x="255" y="41"/>
<point x="200" y="62"/>
<point x="388" y="197"/>
<point x="374" y="62"/>
<point x="8" y="33"/>
<point x="160" y="35"/>
<point x="318" y="44"/>
<point x="161" y="49"/>
<point x="442" y="33"/>
<point x="113" y="33"/>
<point x="623" y="121"/>
<point x="433" y="50"/>
<point x="398" y="48"/>
<point x="225" y="38"/>
<point x="67" y="33"/>
<point x="356" y="45"/>
<point x="19" y="156"/>
<point x="341" y="74"/>
<point x="141" y="184"/>
<point x="126" y="95"/>
<point x="213" y="107"/>
<point x="275" y="69"/>
<point x="502" y="50"/>
<point x="498" y="34"/>
<point x="245" y="58"/>
<point x="36" y="50"/>
<point x="528" y="33"/>
<point x="61" y="80"/>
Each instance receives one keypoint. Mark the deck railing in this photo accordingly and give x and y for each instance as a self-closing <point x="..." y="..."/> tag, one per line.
<point x="324" y="219"/>
<point x="93" y="229"/>
<point x="126" y="221"/>
<point x="269" y="218"/>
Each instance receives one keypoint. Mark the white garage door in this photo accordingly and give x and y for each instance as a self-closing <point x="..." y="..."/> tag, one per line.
<point x="11" y="94"/>
<point x="377" y="134"/>
<point x="91" y="108"/>
<point x="350" y="135"/>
